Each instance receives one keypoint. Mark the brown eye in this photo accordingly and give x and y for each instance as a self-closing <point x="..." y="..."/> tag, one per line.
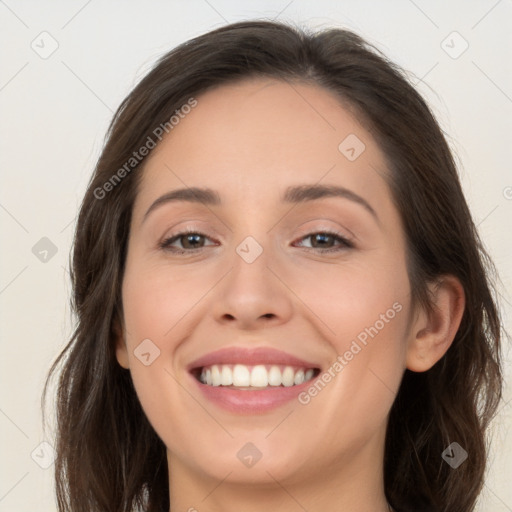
<point x="189" y="240"/>
<point x="324" y="241"/>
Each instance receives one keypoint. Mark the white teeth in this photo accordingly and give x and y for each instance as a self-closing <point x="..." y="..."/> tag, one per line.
<point x="259" y="376"/>
<point x="241" y="375"/>
<point x="299" y="377"/>
<point x="216" y="380"/>
<point x="227" y="376"/>
<point x="288" y="376"/>
<point x="274" y="376"/>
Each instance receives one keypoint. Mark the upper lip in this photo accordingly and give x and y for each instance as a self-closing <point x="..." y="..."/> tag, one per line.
<point x="250" y="357"/>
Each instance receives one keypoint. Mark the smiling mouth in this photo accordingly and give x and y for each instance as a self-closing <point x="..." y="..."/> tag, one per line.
<point x="250" y="378"/>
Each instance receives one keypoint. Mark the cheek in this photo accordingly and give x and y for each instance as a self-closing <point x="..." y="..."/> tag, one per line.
<point x="360" y="385"/>
<point x="354" y="297"/>
<point x="154" y="299"/>
<point x="153" y="304"/>
<point x="364" y="310"/>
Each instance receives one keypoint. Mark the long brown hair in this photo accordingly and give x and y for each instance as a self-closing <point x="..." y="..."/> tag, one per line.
<point x="108" y="457"/>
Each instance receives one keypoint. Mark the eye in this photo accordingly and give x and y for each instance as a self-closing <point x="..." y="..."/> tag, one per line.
<point x="324" y="238"/>
<point x="191" y="241"/>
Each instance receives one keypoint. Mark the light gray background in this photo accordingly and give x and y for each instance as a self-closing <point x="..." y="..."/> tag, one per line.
<point x="55" y="112"/>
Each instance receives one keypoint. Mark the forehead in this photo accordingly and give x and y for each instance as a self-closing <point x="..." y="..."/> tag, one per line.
<point x="257" y="137"/>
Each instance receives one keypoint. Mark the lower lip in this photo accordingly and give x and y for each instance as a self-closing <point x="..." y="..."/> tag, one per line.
<point x="251" y="402"/>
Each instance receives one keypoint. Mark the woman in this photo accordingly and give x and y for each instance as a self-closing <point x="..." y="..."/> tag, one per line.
<point x="282" y="299"/>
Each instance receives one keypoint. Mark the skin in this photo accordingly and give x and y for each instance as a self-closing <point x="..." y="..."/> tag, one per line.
<point x="249" y="142"/>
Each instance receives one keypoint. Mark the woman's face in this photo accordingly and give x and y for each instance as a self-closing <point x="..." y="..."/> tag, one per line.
<point x="258" y="275"/>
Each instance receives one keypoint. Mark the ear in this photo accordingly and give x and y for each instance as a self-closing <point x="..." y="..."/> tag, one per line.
<point x="120" y="344"/>
<point x="433" y="333"/>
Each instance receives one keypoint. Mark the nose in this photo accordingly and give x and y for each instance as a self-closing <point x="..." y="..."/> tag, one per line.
<point x="253" y="294"/>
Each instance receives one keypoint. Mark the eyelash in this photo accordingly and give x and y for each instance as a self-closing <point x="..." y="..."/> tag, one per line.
<point x="165" y="244"/>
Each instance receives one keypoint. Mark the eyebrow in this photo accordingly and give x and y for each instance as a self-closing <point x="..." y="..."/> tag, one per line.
<point x="296" y="195"/>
